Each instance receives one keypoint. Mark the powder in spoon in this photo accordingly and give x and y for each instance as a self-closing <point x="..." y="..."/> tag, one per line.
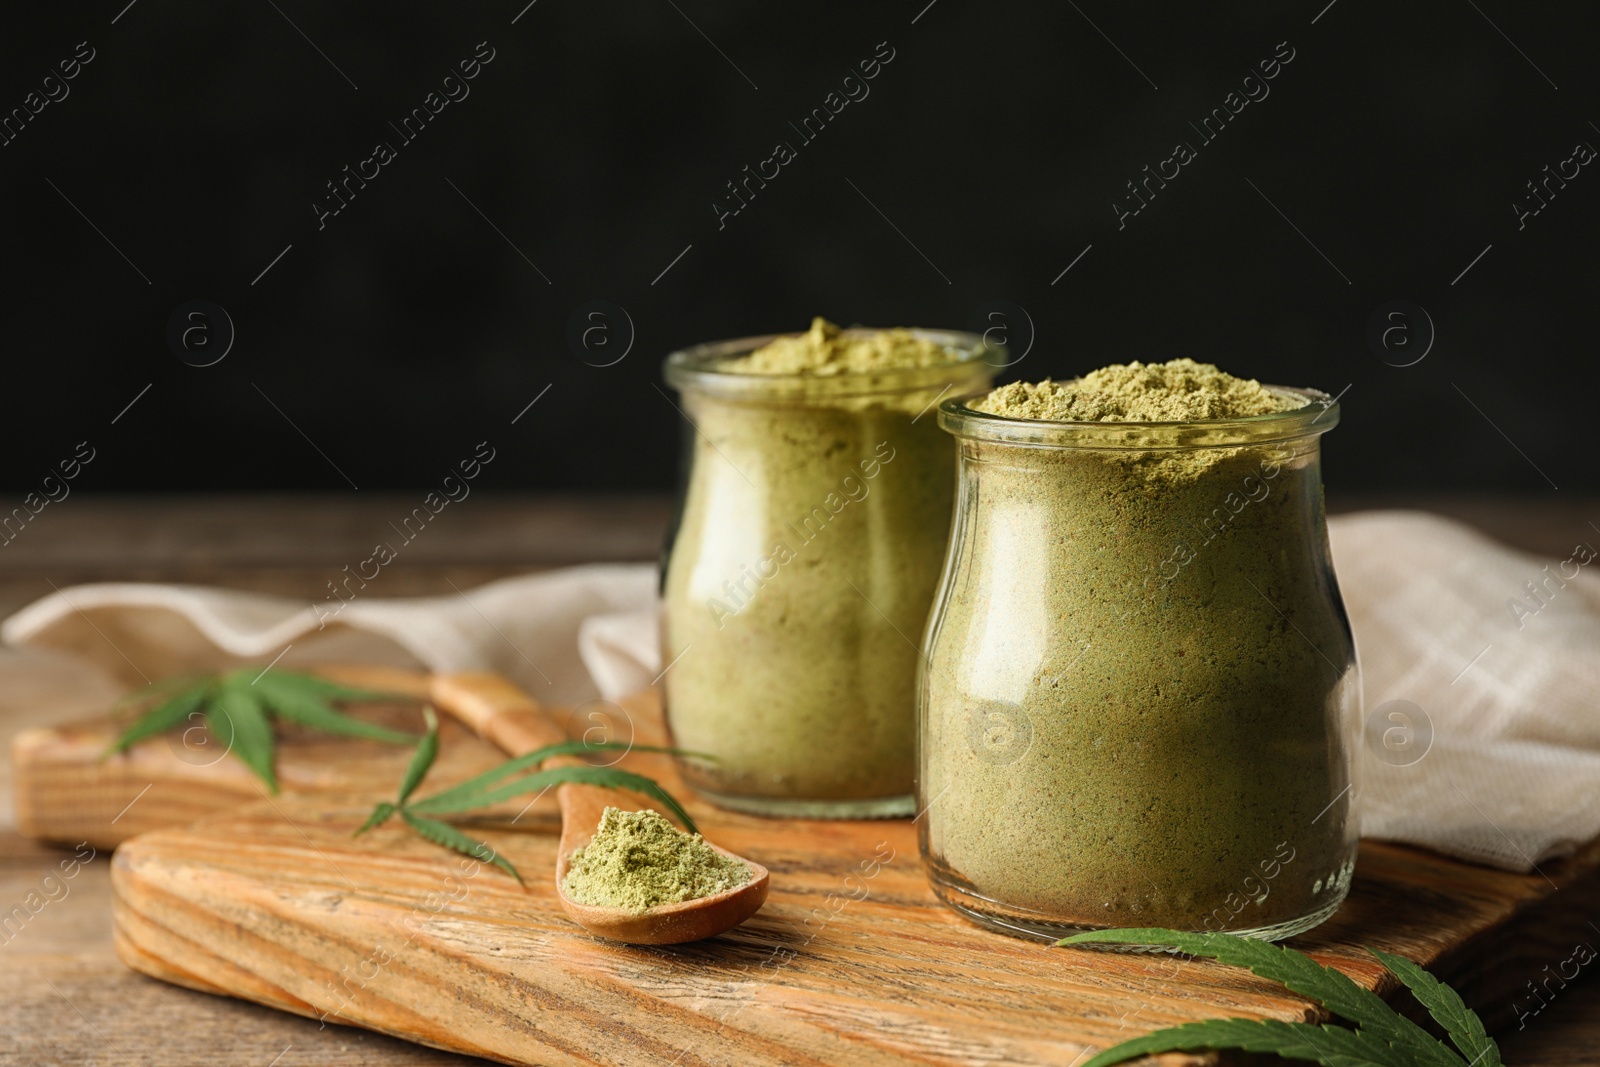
<point x="638" y="860"/>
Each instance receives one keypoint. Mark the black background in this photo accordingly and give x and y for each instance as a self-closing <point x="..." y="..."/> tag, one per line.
<point x="407" y="329"/>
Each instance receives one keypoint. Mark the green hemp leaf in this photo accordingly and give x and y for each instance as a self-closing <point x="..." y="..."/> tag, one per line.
<point x="239" y="709"/>
<point x="1382" y="1037"/>
<point x="500" y="784"/>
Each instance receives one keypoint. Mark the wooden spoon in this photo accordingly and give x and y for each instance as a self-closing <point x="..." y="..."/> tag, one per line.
<point x="508" y="717"/>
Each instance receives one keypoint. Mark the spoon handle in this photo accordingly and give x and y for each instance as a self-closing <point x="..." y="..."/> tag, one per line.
<point x="497" y="710"/>
<point x="505" y="715"/>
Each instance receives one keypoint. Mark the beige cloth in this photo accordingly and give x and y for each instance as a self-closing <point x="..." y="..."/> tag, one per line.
<point x="554" y="633"/>
<point x="1510" y="776"/>
<point x="1513" y="774"/>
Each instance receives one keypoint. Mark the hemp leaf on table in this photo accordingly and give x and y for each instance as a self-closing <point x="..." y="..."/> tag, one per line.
<point x="238" y="709"/>
<point x="1382" y="1038"/>
<point x="492" y="787"/>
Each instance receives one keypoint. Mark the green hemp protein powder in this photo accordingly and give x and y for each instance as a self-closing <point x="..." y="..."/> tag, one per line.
<point x="639" y="860"/>
<point x="1141" y="678"/>
<point x="812" y="526"/>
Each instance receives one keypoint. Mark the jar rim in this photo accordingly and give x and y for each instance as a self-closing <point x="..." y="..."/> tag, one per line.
<point x="1318" y="415"/>
<point x="697" y="368"/>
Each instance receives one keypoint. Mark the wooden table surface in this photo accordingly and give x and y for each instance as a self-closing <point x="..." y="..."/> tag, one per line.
<point x="72" y="1002"/>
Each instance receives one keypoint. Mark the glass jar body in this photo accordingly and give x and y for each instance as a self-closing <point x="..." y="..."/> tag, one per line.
<point x="808" y="544"/>
<point x="1140" y="693"/>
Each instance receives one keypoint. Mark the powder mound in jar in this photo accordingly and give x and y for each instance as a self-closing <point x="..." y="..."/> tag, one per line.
<point x="827" y="350"/>
<point x="638" y="860"/>
<point x="1180" y="390"/>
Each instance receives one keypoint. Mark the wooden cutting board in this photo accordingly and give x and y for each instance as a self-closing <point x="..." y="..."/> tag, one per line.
<point x="851" y="961"/>
<point x="68" y="791"/>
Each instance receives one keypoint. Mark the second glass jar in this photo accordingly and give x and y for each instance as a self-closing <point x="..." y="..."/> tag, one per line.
<point x="812" y="521"/>
<point x="1141" y="686"/>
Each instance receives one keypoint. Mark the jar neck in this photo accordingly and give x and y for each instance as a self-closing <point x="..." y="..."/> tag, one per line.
<point x="1168" y="471"/>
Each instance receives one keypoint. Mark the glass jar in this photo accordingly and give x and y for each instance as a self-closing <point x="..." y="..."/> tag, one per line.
<point x="812" y="520"/>
<point x="1141" y="690"/>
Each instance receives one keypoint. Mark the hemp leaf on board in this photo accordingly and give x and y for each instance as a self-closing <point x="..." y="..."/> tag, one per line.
<point x="1382" y="1037"/>
<point x="239" y="708"/>
<point x="492" y="787"/>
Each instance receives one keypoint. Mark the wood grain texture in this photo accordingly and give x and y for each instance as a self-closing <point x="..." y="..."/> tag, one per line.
<point x="72" y="1002"/>
<point x="851" y="961"/>
<point x="67" y="791"/>
<point x="92" y="1002"/>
